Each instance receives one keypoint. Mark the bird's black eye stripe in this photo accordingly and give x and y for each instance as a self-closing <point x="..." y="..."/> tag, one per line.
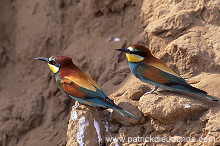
<point x="142" y="54"/>
<point x="52" y="62"/>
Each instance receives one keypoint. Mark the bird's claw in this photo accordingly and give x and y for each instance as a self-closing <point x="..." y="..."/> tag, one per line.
<point x="111" y="111"/>
<point x="152" y="91"/>
<point x="149" y="93"/>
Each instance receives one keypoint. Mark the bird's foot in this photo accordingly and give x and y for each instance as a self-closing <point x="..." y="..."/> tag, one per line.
<point x="111" y="111"/>
<point x="77" y="104"/>
<point x="152" y="91"/>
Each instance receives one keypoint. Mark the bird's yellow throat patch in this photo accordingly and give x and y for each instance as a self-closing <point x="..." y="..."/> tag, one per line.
<point x="134" y="58"/>
<point x="53" y="68"/>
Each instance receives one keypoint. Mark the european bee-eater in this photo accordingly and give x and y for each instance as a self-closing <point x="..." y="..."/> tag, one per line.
<point x="151" y="70"/>
<point x="78" y="85"/>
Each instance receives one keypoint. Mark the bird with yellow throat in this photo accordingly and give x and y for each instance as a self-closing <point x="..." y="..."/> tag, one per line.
<point x="78" y="85"/>
<point x="153" y="71"/>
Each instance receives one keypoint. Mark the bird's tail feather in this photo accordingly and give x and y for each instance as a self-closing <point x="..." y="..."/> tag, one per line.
<point x="125" y="113"/>
<point x="188" y="87"/>
<point x="191" y="89"/>
<point x="208" y="97"/>
<point x="106" y="102"/>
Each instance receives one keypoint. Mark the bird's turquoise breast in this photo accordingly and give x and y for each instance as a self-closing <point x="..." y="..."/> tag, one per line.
<point x="56" y="76"/>
<point x="133" y="67"/>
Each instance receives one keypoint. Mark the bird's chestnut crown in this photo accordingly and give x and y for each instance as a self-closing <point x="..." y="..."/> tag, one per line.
<point x="55" y="62"/>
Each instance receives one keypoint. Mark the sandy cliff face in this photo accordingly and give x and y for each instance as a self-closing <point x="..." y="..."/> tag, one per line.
<point x="184" y="34"/>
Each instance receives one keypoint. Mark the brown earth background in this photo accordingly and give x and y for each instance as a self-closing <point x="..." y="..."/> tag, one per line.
<point x="185" y="34"/>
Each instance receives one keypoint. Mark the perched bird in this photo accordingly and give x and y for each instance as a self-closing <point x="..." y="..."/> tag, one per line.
<point x="78" y="85"/>
<point x="151" y="70"/>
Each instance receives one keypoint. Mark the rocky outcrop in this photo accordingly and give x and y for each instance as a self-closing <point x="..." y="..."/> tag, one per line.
<point x="85" y="127"/>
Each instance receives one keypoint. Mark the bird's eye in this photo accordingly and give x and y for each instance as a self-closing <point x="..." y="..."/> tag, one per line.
<point x="52" y="62"/>
<point x="142" y="54"/>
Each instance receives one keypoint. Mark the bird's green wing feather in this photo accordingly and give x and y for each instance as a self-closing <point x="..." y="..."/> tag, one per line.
<point x="80" y="87"/>
<point x="158" y="75"/>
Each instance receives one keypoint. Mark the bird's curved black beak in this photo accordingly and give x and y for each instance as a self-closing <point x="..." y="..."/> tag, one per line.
<point x="42" y="59"/>
<point x="124" y="50"/>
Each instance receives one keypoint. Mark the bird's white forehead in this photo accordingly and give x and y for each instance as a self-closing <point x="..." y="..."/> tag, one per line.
<point x="130" y="48"/>
<point x="51" y="58"/>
